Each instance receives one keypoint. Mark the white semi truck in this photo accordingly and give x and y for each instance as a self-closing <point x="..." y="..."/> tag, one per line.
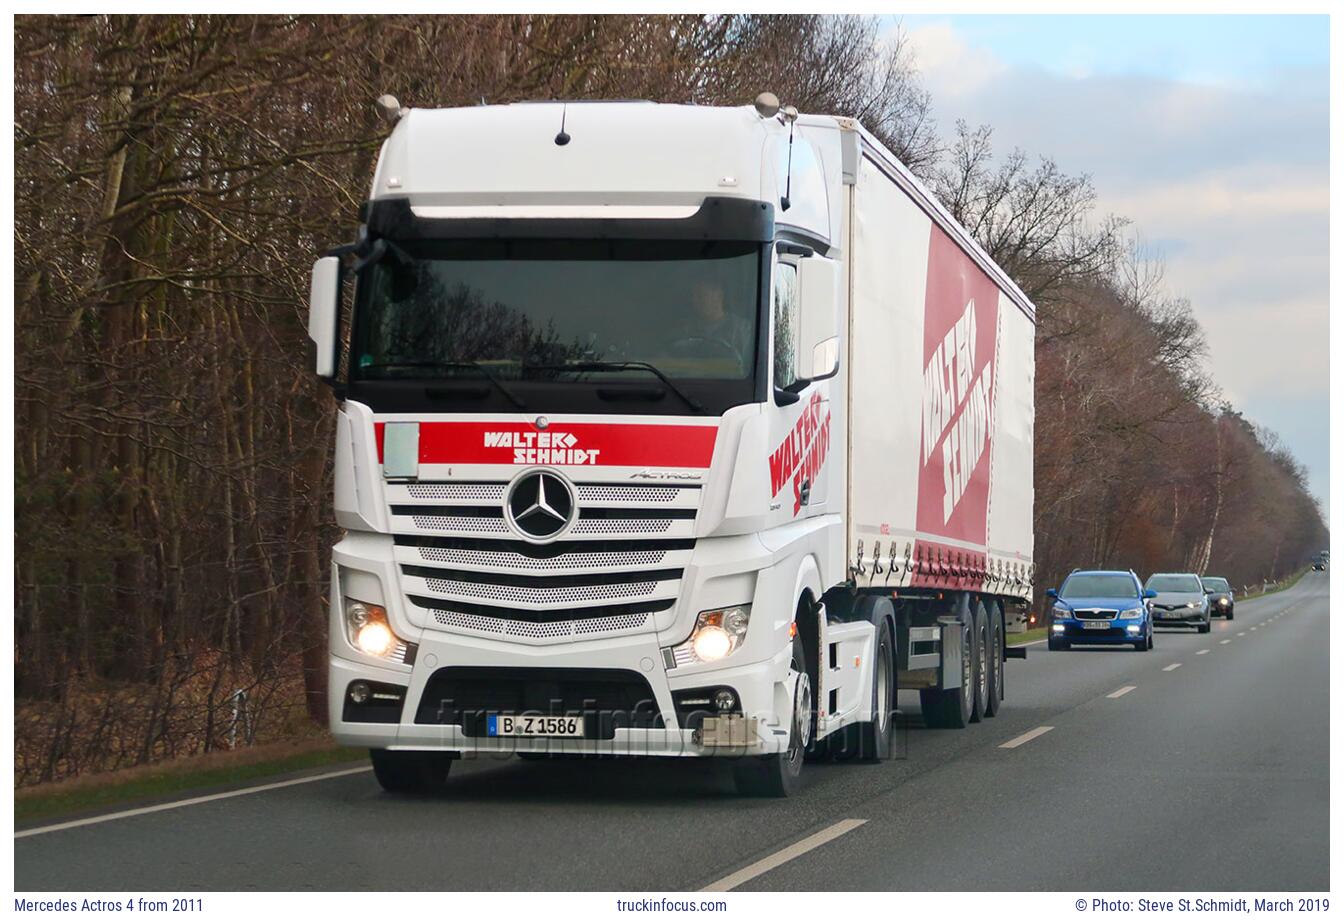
<point x="666" y="431"/>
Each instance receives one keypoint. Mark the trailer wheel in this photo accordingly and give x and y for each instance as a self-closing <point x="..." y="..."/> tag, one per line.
<point x="410" y="771"/>
<point x="980" y="661"/>
<point x="994" y="660"/>
<point x="780" y="775"/>
<point x="952" y="708"/>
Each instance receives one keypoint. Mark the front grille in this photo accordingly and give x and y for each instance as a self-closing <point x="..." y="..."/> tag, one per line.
<point x="608" y="699"/>
<point x="1094" y="614"/>
<point x="545" y="615"/>
<point x="588" y="627"/>
<point x="620" y="562"/>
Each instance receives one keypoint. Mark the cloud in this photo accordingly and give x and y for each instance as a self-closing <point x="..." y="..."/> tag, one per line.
<point x="1231" y="178"/>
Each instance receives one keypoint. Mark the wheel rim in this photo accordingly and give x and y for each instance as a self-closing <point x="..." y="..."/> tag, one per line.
<point x="802" y="715"/>
<point x="998" y="660"/>
<point x="967" y="687"/>
<point x="982" y="685"/>
<point x="883" y="692"/>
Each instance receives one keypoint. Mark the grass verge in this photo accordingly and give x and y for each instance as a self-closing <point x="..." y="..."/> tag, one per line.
<point x="138" y="785"/>
<point x="1281" y="586"/>
<point x="1022" y="638"/>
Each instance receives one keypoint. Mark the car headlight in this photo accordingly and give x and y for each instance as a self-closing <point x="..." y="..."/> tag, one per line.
<point x="1061" y="613"/>
<point x="717" y="634"/>
<point x="367" y="629"/>
<point x="1222" y="602"/>
<point x="1193" y="605"/>
<point x="1133" y="613"/>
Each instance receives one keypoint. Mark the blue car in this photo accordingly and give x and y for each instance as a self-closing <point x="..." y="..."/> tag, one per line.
<point x="1101" y="608"/>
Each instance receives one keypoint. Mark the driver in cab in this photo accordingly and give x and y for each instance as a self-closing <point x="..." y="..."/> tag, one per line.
<point x="713" y="329"/>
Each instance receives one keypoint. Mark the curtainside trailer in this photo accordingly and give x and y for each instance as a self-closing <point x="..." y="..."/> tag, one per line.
<point x="666" y="431"/>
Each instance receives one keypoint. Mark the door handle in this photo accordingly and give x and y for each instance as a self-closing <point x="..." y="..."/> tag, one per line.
<point x="805" y="492"/>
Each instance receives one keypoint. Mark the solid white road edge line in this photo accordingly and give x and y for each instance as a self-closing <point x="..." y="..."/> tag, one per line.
<point x="793" y="851"/>
<point x="1119" y="693"/>
<point x="1027" y="736"/>
<point x="200" y="799"/>
<point x="1173" y="666"/>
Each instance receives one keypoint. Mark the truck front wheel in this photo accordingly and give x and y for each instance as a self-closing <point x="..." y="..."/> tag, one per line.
<point x="780" y="775"/>
<point x="411" y="771"/>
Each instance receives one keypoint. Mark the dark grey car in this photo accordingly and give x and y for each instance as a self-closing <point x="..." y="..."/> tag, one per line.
<point x="1222" y="600"/>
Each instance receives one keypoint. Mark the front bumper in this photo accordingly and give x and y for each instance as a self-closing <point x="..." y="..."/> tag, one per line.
<point x="760" y="686"/>
<point x="1179" y="618"/>
<point x="1117" y="632"/>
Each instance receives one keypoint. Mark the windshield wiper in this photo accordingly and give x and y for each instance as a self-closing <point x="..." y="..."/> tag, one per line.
<point x="477" y="366"/>
<point x="599" y="366"/>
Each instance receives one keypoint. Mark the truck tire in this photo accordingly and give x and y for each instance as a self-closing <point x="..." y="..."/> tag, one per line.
<point x="870" y="742"/>
<point x="952" y="708"/>
<point x="980" y="660"/>
<point x="995" y="660"/>
<point x="780" y="775"/>
<point x="411" y="772"/>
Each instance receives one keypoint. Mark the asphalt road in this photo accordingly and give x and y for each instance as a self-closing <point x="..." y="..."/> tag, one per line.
<point x="1210" y="774"/>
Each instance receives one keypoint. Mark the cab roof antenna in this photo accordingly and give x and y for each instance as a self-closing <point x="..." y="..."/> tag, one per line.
<point x="789" y="115"/>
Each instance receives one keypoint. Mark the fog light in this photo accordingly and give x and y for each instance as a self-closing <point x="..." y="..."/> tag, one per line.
<point x="1133" y="629"/>
<point x="725" y="700"/>
<point x="374" y="638"/>
<point x="1058" y="627"/>
<point x="359" y="692"/>
<point x="712" y="643"/>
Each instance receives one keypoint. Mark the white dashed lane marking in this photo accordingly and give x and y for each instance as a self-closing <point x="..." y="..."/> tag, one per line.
<point x="1172" y="667"/>
<point x="1027" y="736"/>
<point x="1202" y="651"/>
<point x="1116" y="694"/>
<point x="793" y="851"/>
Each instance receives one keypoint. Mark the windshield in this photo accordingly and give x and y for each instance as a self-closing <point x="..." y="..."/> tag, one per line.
<point x="1181" y="584"/>
<point x="1216" y="584"/>
<point x="526" y="309"/>
<point x="1099" y="585"/>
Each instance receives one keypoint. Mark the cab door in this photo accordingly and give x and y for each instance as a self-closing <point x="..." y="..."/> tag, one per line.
<point x="800" y="448"/>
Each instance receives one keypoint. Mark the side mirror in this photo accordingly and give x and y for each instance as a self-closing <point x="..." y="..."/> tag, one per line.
<point x="323" y="304"/>
<point x="1051" y="593"/>
<point x="819" y="329"/>
<point x="1149" y="594"/>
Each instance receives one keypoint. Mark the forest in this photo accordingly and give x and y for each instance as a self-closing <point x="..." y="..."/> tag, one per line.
<point x="175" y="177"/>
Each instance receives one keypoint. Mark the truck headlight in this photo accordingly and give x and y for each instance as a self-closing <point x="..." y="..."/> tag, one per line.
<point x="367" y="628"/>
<point x="717" y="633"/>
<point x="1133" y="613"/>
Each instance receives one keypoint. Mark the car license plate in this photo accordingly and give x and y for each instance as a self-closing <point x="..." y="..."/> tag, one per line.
<point x="534" y="726"/>
<point x="1097" y="624"/>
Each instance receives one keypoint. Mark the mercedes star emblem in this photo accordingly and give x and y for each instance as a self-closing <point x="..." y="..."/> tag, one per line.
<point x="540" y="504"/>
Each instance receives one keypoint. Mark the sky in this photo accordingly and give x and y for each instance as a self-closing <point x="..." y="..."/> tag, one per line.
<point x="1211" y="134"/>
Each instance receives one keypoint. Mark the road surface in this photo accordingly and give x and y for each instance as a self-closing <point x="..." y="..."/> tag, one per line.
<point x="1211" y="772"/>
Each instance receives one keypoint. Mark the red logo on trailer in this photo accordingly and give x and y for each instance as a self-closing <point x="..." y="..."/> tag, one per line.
<point x="561" y="444"/>
<point x="961" y="311"/>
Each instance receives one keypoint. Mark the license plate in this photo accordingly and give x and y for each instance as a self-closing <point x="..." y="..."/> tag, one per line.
<point x="1097" y="624"/>
<point x="534" y="726"/>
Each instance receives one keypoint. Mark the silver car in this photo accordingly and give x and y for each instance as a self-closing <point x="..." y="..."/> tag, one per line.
<point x="1180" y="600"/>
